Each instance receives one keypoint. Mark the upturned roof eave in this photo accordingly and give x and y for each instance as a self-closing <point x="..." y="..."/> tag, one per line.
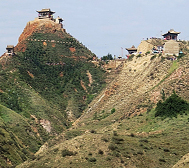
<point x="45" y="10"/>
<point x="10" y="46"/>
<point x="128" y="49"/>
<point x="171" y="33"/>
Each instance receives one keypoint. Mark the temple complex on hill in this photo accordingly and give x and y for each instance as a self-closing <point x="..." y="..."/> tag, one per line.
<point x="48" y="14"/>
<point x="168" y="46"/>
<point x="43" y="16"/>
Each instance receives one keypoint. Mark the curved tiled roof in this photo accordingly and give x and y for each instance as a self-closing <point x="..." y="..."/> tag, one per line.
<point x="10" y="46"/>
<point x="171" y="31"/>
<point x="45" y="10"/>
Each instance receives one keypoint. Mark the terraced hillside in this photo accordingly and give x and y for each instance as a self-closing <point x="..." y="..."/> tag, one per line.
<point x="119" y="128"/>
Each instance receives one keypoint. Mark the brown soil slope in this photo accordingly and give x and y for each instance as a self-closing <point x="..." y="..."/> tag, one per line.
<point x="37" y="26"/>
<point x="140" y="83"/>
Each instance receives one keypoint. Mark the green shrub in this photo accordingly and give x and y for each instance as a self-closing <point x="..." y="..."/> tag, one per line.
<point x="171" y="107"/>
<point x="73" y="133"/>
<point x="92" y="159"/>
<point x="166" y="150"/>
<point x="100" y="152"/>
<point x="66" y="152"/>
<point x="117" y="140"/>
<point x="95" y="116"/>
<point x="139" y="55"/>
<point x="101" y="115"/>
<point x="89" y="98"/>
<point x="153" y="57"/>
<point x="112" y="110"/>
<point x="115" y="133"/>
<point x="90" y="154"/>
<point x="106" y="140"/>
<point x="140" y="152"/>
<point x="93" y="131"/>
<point x="107" y="57"/>
<point x="162" y="59"/>
<point x="132" y="135"/>
<point x="148" y="52"/>
<point x="112" y="147"/>
<point x="108" y="158"/>
<point x="181" y="55"/>
<point x="116" y="154"/>
<point x="163" y="95"/>
<point x="131" y="57"/>
<point x="143" y="140"/>
<point x="162" y="160"/>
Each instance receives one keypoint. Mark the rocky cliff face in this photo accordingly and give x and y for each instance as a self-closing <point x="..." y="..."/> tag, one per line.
<point x="39" y="26"/>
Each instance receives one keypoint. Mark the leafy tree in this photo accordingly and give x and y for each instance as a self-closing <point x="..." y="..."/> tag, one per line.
<point x="107" y="57"/>
<point x="172" y="106"/>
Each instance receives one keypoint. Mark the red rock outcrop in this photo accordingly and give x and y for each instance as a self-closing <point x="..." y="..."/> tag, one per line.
<point x="40" y="26"/>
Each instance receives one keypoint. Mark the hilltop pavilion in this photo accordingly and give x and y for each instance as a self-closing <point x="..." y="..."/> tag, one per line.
<point x="45" y="13"/>
<point x="59" y="20"/>
<point x="10" y="50"/>
<point x="171" y="35"/>
<point x="132" y="50"/>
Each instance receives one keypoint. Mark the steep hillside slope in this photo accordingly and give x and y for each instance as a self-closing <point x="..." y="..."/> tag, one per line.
<point x="119" y="128"/>
<point x="139" y="84"/>
<point x="44" y="87"/>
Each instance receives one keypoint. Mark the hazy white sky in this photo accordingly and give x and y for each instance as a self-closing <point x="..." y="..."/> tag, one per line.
<point x="104" y="26"/>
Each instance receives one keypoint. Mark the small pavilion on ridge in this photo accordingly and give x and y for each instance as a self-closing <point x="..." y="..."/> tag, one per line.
<point x="132" y="50"/>
<point x="171" y="35"/>
<point x="10" y="50"/>
<point x="45" y="13"/>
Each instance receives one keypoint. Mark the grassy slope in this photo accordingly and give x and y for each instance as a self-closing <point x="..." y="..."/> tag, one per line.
<point x="142" y="141"/>
<point x="13" y="149"/>
<point x="37" y="84"/>
<point x="138" y="141"/>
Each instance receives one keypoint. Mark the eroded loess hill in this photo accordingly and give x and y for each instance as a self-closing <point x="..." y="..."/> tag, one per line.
<point x="119" y="128"/>
<point x="44" y="87"/>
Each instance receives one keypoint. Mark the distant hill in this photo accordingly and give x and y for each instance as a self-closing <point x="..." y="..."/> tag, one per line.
<point x="44" y="87"/>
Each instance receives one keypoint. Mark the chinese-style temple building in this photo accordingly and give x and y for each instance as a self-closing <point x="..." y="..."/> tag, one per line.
<point x="171" y="35"/>
<point x="45" y="13"/>
<point x="59" y="20"/>
<point x="119" y="57"/>
<point x="132" y="50"/>
<point x="10" y="50"/>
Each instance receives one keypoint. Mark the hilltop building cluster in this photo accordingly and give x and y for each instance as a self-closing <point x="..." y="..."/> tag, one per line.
<point x="42" y="14"/>
<point x="167" y="46"/>
<point x="48" y="14"/>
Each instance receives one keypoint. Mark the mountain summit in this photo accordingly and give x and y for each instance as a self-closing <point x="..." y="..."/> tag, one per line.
<point x="41" y="26"/>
